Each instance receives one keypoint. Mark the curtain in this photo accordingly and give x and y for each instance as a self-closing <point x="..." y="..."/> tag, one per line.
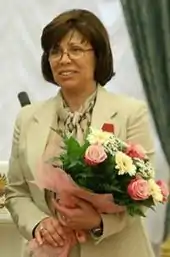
<point x="148" y="24"/>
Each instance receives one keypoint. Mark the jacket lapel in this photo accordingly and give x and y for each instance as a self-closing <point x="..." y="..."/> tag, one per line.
<point x="38" y="132"/>
<point x="105" y="110"/>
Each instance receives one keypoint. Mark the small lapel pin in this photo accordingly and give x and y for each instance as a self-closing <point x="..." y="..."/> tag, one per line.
<point x="108" y="127"/>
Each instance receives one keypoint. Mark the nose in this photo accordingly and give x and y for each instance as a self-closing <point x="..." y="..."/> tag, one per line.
<point x="65" y="57"/>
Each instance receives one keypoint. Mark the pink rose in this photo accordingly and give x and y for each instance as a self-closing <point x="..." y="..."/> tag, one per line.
<point x="138" y="189"/>
<point x="164" y="189"/>
<point x="95" y="154"/>
<point x="135" y="151"/>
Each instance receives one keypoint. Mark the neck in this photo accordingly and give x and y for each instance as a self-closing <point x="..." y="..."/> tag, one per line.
<point x="75" y="99"/>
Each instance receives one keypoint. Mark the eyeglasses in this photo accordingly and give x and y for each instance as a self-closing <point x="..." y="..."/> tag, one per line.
<point x="73" y="53"/>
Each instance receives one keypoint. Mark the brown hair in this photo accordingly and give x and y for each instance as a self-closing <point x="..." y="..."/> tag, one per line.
<point x="92" y="29"/>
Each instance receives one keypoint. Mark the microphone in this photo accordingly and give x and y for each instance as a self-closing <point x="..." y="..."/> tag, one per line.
<point x="23" y="99"/>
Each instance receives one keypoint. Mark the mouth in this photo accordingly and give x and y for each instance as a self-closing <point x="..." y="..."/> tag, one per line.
<point x="66" y="73"/>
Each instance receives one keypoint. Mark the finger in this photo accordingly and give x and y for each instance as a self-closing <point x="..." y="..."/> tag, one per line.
<point x="62" y="221"/>
<point x="58" y="239"/>
<point x="119" y="208"/>
<point x="49" y="239"/>
<point x="53" y="229"/>
<point x="39" y="238"/>
<point x="47" y="231"/>
<point x="58" y="228"/>
<point x="83" y="204"/>
<point x="66" y="224"/>
<point x="62" y="209"/>
<point x="54" y="239"/>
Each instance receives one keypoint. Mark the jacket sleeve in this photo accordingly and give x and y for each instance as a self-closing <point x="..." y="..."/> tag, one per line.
<point x="139" y="132"/>
<point x="25" y="214"/>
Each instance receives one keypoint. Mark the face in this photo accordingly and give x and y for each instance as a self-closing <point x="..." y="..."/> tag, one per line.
<point x="73" y="62"/>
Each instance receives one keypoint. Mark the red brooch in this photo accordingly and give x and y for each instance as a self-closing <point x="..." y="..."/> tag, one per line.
<point x="108" y="127"/>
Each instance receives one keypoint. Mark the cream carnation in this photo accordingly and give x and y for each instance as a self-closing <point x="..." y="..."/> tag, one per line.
<point x="124" y="164"/>
<point x="155" y="191"/>
<point x="97" y="136"/>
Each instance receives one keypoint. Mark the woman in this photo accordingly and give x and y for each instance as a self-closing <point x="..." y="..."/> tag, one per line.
<point x="78" y="59"/>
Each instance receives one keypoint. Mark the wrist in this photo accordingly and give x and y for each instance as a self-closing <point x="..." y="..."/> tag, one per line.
<point x="34" y="229"/>
<point x="97" y="222"/>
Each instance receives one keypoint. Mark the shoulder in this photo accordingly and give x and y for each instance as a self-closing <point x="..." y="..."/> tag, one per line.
<point x="122" y="103"/>
<point x="132" y="110"/>
<point x="127" y="102"/>
<point x="28" y="112"/>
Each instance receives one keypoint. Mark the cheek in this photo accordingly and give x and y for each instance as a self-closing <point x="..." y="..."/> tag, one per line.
<point x="88" y="68"/>
<point x="53" y="66"/>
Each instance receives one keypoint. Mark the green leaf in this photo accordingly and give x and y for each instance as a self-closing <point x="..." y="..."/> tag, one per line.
<point x="72" y="148"/>
<point x="134" y="210"/>
<point x="74" y="163"/>
<point x="110" y="188"/>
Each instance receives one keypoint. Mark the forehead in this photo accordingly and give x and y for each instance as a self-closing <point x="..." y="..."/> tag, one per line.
<point x="74" y="37"/>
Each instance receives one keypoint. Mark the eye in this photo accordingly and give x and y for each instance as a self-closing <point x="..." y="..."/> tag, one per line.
<point x="56" y="51"/>
<point x="76" y="49"/>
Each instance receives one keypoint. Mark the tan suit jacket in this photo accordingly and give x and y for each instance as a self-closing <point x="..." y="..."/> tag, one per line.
<point x="123" y="235"/>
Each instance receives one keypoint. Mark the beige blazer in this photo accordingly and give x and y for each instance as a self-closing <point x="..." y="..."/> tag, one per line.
<point x="123" y="235"/>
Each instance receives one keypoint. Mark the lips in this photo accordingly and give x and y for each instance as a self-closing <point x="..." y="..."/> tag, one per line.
<point x="66" y="73"/>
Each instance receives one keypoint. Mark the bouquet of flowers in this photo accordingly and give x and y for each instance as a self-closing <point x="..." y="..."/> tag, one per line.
<point x="110" y="174"/>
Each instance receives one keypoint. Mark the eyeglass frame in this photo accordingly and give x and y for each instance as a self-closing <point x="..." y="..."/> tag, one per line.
<point x="66" y="51"/>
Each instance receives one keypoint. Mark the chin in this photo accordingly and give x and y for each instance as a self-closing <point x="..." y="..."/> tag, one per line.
<point x="70" y="85"/>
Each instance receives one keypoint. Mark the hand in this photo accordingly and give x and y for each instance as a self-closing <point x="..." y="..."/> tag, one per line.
<point x="83" y="216"/>
<point x="50" y="231"/>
